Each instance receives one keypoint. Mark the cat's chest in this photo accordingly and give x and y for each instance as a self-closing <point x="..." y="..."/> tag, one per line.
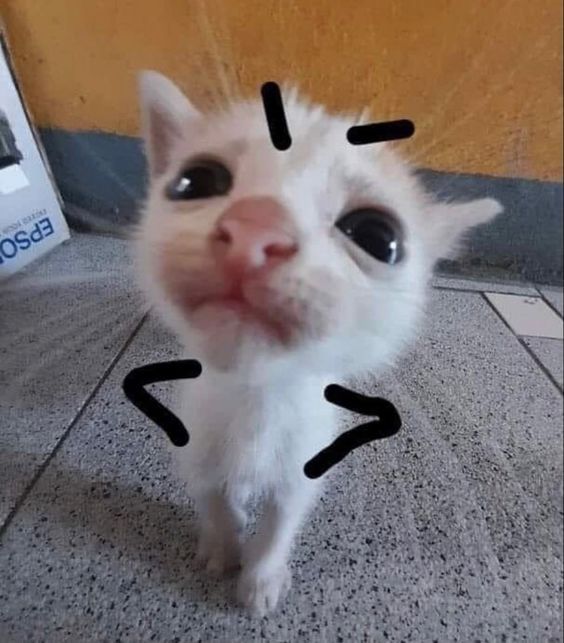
<point x="254" y="441"/>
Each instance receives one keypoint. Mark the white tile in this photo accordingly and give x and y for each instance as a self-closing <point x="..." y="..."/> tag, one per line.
<point x="529" y="316"/>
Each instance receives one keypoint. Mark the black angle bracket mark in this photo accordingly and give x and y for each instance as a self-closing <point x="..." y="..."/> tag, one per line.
<point x="388" y="423"/>
<point x="134" y="389"/>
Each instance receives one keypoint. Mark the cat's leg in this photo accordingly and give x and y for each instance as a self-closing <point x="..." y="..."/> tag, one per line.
<point x="222" y="521"/>
<point x="265" y="577"/>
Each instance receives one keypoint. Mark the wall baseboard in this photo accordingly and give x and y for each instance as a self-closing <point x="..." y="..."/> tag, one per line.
<point x="101" y="178"/>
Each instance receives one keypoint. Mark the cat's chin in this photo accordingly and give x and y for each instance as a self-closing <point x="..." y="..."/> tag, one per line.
<point x="233" y="336"/>
<point x="234" y="317"/>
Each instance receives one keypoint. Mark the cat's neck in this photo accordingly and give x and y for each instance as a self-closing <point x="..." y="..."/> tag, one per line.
<point x="267" y="382"/>
<point x="229" y="398"/>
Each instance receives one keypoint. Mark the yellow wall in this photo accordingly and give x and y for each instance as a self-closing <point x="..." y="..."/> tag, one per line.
<point x="480" y="78"/>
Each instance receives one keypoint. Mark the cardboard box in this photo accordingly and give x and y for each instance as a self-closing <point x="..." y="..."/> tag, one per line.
<point x="31" y="218"/>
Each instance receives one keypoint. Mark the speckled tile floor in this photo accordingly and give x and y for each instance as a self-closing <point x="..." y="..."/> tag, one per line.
<point x="452" y="531"/>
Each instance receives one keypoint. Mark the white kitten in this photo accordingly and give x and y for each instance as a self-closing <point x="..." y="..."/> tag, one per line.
<point x="253" y="257"/>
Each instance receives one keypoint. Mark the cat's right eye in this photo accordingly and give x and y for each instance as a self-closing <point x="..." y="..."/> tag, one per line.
<point x="200" y="180"/>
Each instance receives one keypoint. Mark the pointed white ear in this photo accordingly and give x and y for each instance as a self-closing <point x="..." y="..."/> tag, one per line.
<point x="164" y="112"/>
<point x="453" y="220"/>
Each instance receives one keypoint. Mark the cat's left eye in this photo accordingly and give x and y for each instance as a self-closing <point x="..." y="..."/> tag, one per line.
<point x="200" y="180"/>
<point x="376" y="231"/>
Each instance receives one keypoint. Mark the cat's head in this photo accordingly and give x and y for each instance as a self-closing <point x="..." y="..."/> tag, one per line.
<point x="319" y="253"/>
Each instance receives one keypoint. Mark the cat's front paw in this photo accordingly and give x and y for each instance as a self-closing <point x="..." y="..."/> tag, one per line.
<point x="261" y="592"/>
<point x="217" y="557"/>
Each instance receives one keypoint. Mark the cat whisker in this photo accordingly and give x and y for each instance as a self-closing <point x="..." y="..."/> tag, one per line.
<point x="53" y="320"/>
<point x="10" y="393"/>
<point x="476" y="62"/>
<point x="213" y="46"/>
<point x="74" y="328"/>
<point x="508" y="81"/>
<point x="86" y="146"/>
<point x="51" y="281"/>
<point x="486" y="153"/>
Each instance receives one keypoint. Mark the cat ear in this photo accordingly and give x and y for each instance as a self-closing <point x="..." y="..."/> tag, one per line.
<point x="164" y="113"/>
<point x="453" y="220"/>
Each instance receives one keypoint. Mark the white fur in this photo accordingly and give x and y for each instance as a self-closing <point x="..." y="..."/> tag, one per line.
<point x="257" y="413"/>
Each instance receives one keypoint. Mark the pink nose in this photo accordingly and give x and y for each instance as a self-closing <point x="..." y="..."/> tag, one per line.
<point x="254" y="234"/>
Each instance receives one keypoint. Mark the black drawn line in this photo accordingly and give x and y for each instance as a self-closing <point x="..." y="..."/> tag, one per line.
<point x="379" y="132"/>
<point x="275" y="116"/>
<point x="134" y="389"/>
<point x="388" y="423"/>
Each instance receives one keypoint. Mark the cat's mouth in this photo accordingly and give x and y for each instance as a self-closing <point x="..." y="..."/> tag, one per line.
<point x="226" y="310"/>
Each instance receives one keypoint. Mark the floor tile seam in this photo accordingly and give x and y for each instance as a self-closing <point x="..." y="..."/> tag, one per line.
<point x="78" y="415"/>
<point x="523" y="344"/>
<point x="478" y="291"/>
<point x="550" y="305"/>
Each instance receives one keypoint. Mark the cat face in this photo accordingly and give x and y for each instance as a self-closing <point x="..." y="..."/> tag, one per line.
<point x="319" y="253"/>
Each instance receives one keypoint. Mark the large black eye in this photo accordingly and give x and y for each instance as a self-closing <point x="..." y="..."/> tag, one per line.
<point x="200" y="180"/>
<point x="376" y="232"/>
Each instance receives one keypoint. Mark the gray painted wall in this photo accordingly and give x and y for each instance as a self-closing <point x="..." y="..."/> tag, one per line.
<point x="101" y="177"/>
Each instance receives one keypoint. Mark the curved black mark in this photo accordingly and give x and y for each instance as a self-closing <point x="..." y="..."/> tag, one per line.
<point x="275" y="116"/>
<point x="379" y="132"/>
<point x="387" y="424"/>
<point x="138" y="378"/>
